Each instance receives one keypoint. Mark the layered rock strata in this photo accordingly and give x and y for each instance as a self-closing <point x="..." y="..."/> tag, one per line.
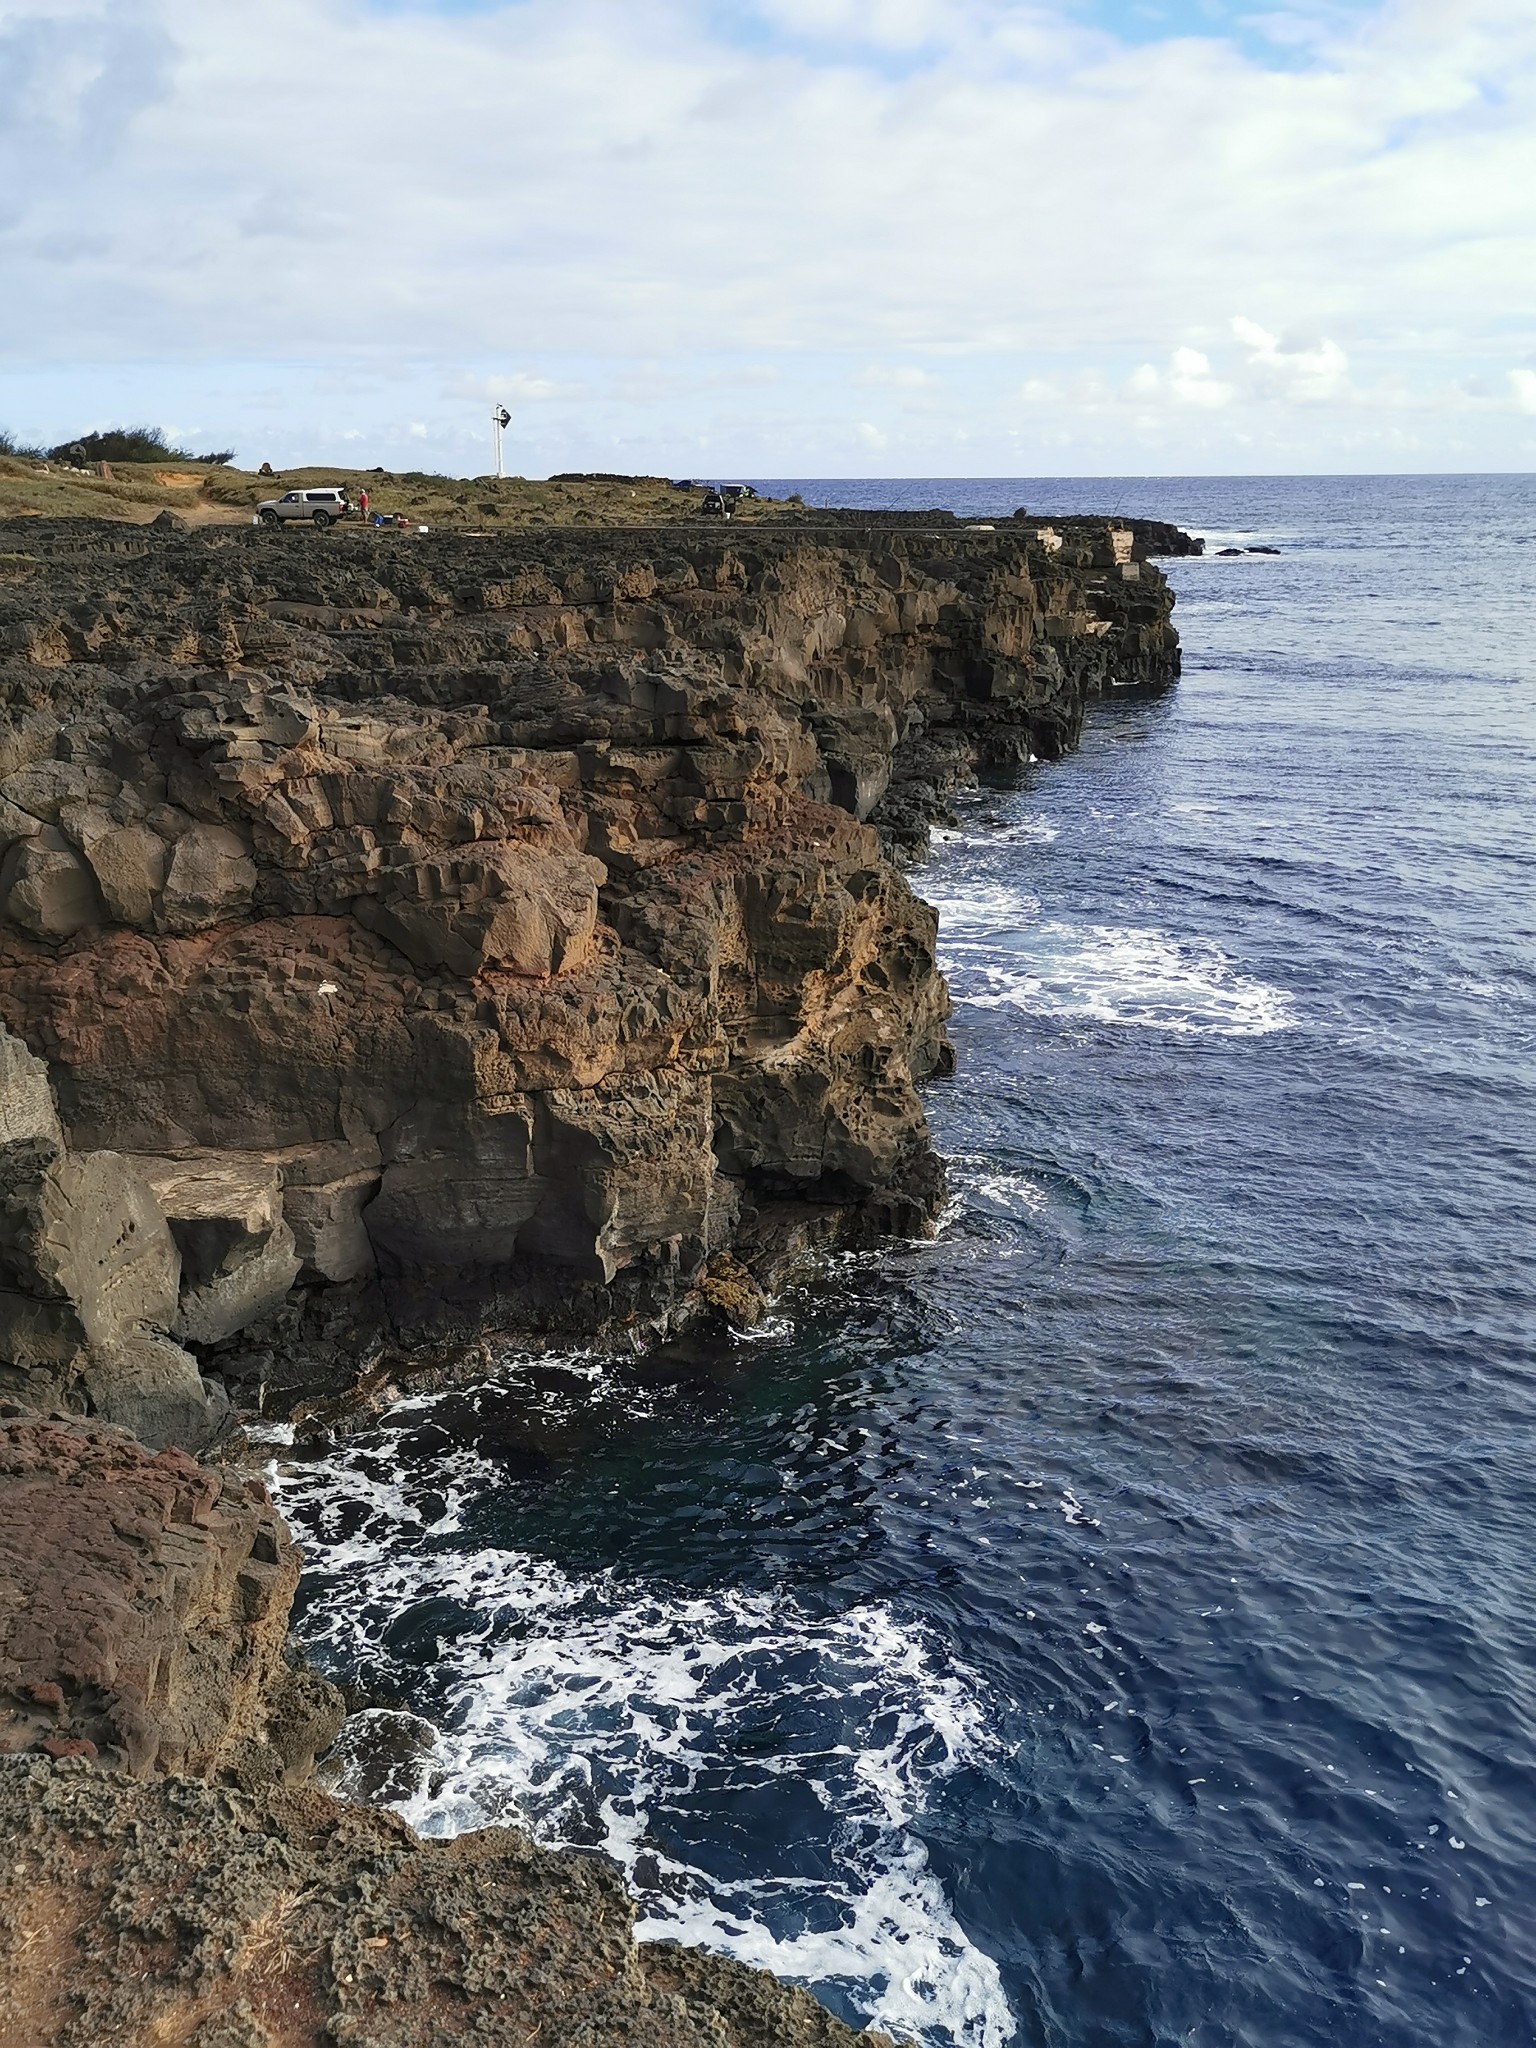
<point x="90" y="1276"/>
<point x="144" y="1603"/>
<point x="470" y="934"/>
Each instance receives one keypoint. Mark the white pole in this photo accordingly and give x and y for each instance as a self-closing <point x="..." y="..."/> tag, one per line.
<point x="500" y="418"/>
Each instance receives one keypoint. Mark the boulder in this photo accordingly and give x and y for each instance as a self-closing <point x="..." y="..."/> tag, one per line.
<point x="325" y="1191"/>
<point x="42" y="788"/>
<point x="85" y="1256"/>
<point x="500" y="906"/>
<point x="238" y="1258"/>
<point x="89" y="1276"/>
<point x="129" y="863"/>
<point x="211" y="880"/>
<point x="281" y="717"/>
<point x="47" y="889"/>
<point x="106" y="1244"/>
<point x="146" y="1609"/>
<point x="150" y="1386"/>
<point x="15" y="823"/>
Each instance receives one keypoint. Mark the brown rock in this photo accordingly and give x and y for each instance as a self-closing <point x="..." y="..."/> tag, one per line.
<point x="238" y="1256"/>
<point x="46" y="887"/>
<point x="325" y="1191"/>
<point x="536" y="866"/>
<point x="512" y="907"/>
<point x="129" y="863"/>
<point x="145" y="1608"/>
<point x="210" y="880"/>
<point x="89" y="1275"/>
<point x="296" y="1919"/>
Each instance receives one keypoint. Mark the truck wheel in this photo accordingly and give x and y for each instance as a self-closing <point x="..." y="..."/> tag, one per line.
<point x="322" y="520"/>
<point x="271" y="519"/>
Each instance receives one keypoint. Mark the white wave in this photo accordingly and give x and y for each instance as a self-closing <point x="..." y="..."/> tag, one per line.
<point x="1135" y="977"/>
<point x="589" y="1709"/>
<point x="978" y="906"/>
<point x="1009" y="832"/>
<point x="1018" y="1193"/>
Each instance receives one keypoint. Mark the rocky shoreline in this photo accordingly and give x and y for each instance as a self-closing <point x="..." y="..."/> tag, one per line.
<point x="408" y="941"/>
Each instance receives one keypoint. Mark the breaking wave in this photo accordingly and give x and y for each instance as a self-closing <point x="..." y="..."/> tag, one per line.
<point x="599" y="1712"/>
<point x="1104" y="974"/>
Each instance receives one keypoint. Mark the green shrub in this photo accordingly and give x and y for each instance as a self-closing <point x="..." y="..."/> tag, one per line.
<point x="9" y="445"/>
<point x="129" y="444"/>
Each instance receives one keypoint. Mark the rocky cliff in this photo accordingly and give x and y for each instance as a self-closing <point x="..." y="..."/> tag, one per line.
<point x="431" y="935"/>
<point x="403" y="938"/>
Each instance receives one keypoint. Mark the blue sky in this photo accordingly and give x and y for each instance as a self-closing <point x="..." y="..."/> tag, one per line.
<point x="778" y="236"/>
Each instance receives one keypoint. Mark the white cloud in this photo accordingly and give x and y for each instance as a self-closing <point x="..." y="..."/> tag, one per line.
<point x="1188" y="381"/>
<point x="886" y="24"/>
<point x="1523" y="384"/>
<point x="512" y="387"/>
<point x="631" y="207"/>
<point x="1298" y="372"/>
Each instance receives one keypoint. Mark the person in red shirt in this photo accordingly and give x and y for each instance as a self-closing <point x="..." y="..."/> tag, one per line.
<point x="362" y="503"/>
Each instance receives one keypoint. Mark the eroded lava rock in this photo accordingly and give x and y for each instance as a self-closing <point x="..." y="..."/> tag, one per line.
<point x="458" y="935"/>
<point x="134" y="1914"/>
<point x="144" y="1602"/>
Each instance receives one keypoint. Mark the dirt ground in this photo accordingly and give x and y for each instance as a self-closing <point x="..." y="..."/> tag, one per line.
<point x="205" y="494"/>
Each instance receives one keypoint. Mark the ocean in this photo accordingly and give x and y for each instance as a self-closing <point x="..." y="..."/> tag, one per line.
<point x="1109" y="1623"/>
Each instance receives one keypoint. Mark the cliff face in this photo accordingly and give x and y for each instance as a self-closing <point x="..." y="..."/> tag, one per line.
<point x="426" y="935"/>
<point x="402" y="938"/>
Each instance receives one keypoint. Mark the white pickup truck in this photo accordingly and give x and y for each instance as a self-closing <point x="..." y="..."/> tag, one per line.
<point x="320" y="508"/>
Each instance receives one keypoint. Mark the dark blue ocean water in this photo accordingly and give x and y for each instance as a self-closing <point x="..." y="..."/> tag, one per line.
<point x="1110" y="1623"/>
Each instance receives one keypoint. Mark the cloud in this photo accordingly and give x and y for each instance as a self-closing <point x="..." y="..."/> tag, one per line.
<point x="882" y="24"/>
<point x="1188" y="380"/>
<point x="1523" y="384"/>
<point x="897" y="377"/>
<point x="346" y="195"/>
<point x="512" y="387"/>
<point x="1300" y="373"/>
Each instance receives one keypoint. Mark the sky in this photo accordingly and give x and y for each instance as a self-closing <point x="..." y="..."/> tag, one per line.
<point x="777" y="238"/>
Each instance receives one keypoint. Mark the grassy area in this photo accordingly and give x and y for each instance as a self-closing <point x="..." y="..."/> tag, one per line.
<point x="205" y="495"/>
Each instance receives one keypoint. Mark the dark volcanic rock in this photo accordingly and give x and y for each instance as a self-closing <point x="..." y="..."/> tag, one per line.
<point x="144" y="1604"/>
<point x="89" y="1276"/>
<point x="402" y="938"/>
<point x="144" y="1601"/>
<point x="176" y="1912"/>
<point x="456" y="934"/>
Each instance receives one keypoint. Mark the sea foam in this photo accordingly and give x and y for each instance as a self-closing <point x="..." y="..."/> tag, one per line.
<point x="1102" y="974"/>
<point x="593" y="1709"/>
